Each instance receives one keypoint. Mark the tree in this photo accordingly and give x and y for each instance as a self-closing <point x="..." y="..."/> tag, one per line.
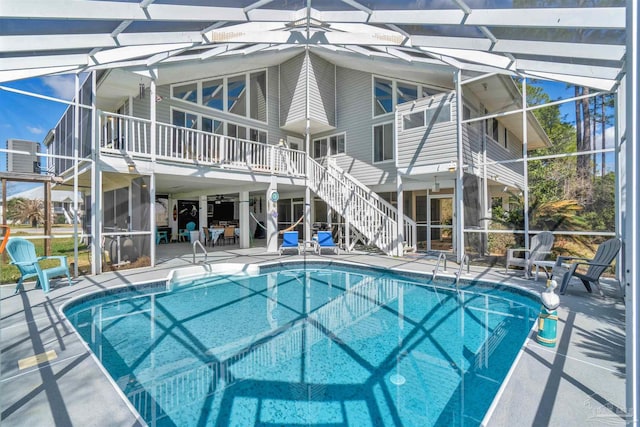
<point x="31" y="211"/>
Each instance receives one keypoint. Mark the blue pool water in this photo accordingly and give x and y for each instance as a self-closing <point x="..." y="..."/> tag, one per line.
<point x="308" y="346"/>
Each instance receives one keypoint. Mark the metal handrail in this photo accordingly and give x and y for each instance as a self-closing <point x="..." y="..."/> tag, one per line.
<point x="197" y="242"/>
<point x="463" y="263"/>
<point x="436" y="270"/>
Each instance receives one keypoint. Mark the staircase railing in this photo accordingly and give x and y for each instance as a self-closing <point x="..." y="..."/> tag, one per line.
<point x="409" y="225"/>
<point x="374" y="223"/>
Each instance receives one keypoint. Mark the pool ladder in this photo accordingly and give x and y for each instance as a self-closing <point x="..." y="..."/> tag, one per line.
<point x="197" y="243"/>
<point x="463" y="264"/>
<point x="436" y="270"/>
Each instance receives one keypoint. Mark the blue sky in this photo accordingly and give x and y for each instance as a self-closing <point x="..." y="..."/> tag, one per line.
<point x="29" y="118"/>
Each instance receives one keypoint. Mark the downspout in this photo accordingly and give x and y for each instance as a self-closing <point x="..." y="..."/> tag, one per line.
<point x="459" y="212"/>
<point x="152" y="183"/>
<point x="76" y="152"/>
<point x="525" y="165"/>
<point x="96" y="184"/>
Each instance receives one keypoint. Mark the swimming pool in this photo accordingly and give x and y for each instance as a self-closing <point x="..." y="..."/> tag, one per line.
<point x="305" y="344"/>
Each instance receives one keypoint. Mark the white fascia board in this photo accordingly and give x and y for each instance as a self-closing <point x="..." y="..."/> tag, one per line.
<point x="355" y="16"/>
<point x="137" y="39"/>
<point x="396" y="53"/>
<point x="215" y="51"/>
<point x="8" y="76"/>
<point x="123" y="53"/>
<point x="26" y="62"/>
<point x="451" y="42"/>
<point x="583" y="17"/>
<point x="252" y="49"/>
<point x="604" y="52"/>
<point x="601" y="84"/>
<point x="421" y="17"/>
<point x="485" y="58"/>
<point x="566" y="68"/>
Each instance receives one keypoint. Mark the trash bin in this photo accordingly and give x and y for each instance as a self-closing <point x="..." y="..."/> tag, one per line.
<point x="547" y="327"/>
<point x="195" y="235"/>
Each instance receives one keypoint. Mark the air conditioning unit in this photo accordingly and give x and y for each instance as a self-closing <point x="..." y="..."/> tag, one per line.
<point x="23" y="163"/>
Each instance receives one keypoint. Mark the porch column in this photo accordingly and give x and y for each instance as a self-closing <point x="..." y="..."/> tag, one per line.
<point x="153" y="227"/>
<point x="96" y="185"/>
<point x="307" y="213"/>
<point x="245" y="224"/>
<point x="459" y="205"/>
<point x="202" y="216"/>
<point x="400" y="237"/>
<point x="152" y="116"/>
<point x="272" y="218"/>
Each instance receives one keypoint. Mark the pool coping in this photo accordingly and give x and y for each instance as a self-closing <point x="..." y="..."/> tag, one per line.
<point x="520" y="397"/>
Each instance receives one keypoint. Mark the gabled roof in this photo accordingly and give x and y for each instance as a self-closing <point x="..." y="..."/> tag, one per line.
<point x="582" y="45"/>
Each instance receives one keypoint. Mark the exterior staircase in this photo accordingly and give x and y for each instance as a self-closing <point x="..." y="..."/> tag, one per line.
<point x="369" y="213"/>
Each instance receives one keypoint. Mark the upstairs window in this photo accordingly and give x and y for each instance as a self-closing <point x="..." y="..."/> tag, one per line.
<point x="406" y="92"/>
<point x="213" y="94"/>
<point x="187" y="92"/>
<point x="236" y="95"/>
<point x="258" y="91"/>
<point x="383" y="142"/>
<point x="383" y="96"/>
<point x="328" y="146"/>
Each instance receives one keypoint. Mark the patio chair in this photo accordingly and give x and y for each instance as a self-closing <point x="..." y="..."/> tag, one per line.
<point x="23" y="255"/>
<point x="604" y="256"/>
<point x="185" y="234"/>
<point x="540" y="247"/>
<point x="289" y="241"/>
<point x="229" y="234"/>
<point x="325" y="240"/>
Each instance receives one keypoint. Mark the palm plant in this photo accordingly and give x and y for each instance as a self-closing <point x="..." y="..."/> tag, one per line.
<point x="31" y="211"/>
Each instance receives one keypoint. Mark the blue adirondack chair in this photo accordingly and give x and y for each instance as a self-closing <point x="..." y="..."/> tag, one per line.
<point x="23" y="255"/>
<point x="185" y="234"/>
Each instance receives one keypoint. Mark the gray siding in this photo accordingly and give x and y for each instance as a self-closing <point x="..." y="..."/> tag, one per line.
<point x="354" y="103"/>
<point x="292" y="90"/>
<point x="430" y="145"/>
<point x="322" y="99"/>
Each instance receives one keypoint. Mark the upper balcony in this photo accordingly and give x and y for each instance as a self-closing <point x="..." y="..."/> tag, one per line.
<point x="131" y="135"/>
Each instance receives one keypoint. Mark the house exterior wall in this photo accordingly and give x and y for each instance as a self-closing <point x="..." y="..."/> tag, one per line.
<point x="322" y="90"/>
<point x="292" y="90"/>
<point x="432" y="144"/>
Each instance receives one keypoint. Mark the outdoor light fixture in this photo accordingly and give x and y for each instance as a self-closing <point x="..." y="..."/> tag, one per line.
<point x="131" y="166"/>
<point x="452" y="167"/>
<point x="436" y="185"/>
<point x="504" y="190"/>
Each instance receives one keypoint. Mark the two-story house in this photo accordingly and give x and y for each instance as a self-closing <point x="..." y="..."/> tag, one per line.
<point x="376" y="149"/>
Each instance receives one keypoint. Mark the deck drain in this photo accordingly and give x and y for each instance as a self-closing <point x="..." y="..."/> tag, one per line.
<point x="397" y="379"/>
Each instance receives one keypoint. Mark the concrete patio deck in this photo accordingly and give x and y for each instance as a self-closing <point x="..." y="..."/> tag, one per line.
<point x="580" y="382"/>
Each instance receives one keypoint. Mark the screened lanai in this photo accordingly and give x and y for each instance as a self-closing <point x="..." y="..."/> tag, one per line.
<point x="589" y="44"/>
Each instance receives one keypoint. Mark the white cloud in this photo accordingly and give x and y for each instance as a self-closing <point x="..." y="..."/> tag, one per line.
<point x="35" y="130"/>
<point x="609" y="138"/>
<point x="63" y="86"/>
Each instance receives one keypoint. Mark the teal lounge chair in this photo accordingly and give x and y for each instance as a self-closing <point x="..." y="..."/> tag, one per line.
<point x="326" y="241"/>
<point x="605" y="254"/>
<point x="289" y="241"/>
<point x="23" y="255"/>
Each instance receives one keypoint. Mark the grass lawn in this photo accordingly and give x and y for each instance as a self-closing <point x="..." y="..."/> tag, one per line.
<point x="63" y="246"/>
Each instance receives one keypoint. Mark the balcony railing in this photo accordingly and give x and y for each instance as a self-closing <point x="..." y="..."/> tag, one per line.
<point x="178" y="144"/>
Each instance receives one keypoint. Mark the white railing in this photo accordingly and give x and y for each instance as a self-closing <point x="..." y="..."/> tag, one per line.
<point x="124" y="133"/>
<point x="409" y="225"/>
<point x="358" y="209"/>
<point x="120" y="133"/>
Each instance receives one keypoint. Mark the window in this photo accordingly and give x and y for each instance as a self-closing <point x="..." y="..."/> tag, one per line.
<point x="212" y="126"/>
<point x="319" y="148"/>
<point x="257" y="135"/>
<point x="383" y="142"/>
<point x="383" y="96"/>
<point x="506" y="138"/>
<point x="406" y="92"/>
<point x="184" y="119"/>
<point x="236" y="131"/>
<point x="187" y="92"/>
<point x="328" y="146"/>
<point x="413" y="120"/>
<point x="236" y="95"/>
<point x="336" y="144"/>
<point x="258" y="103"/>
<point x="496" y="202"/>
<point x="438" y="114"/>
<point x="494" y="129"/>
<point x="213" y="94"/>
